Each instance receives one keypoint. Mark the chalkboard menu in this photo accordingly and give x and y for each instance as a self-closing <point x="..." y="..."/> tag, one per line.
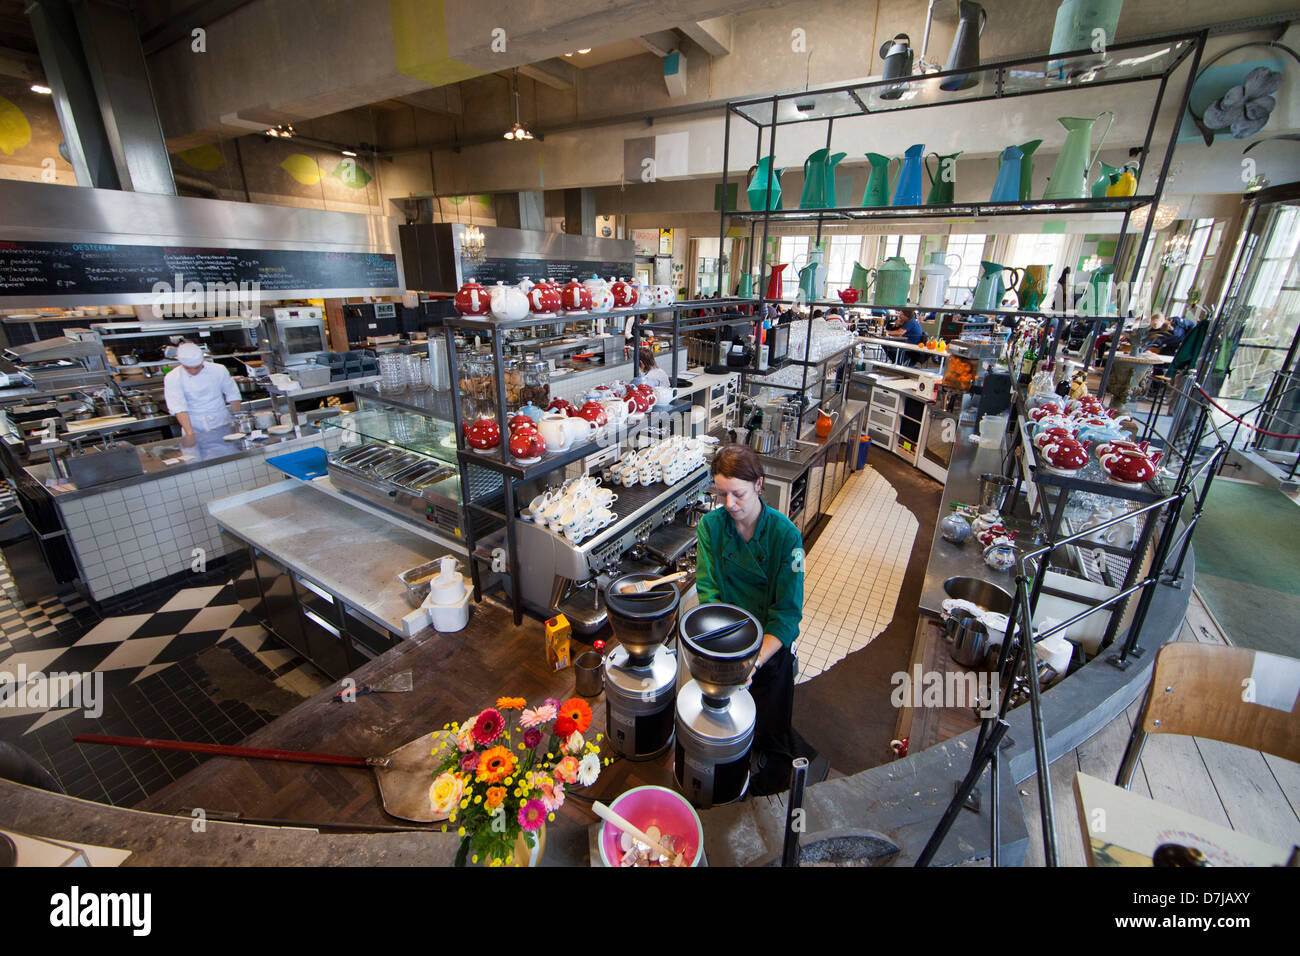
<point x="82" y="269"/>
<point x="491" y="271"/>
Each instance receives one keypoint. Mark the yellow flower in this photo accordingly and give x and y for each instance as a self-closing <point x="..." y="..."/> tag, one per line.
<point x="446" y="792"/>
<point x="474" y="858"/>
<point x="460" y="832"/>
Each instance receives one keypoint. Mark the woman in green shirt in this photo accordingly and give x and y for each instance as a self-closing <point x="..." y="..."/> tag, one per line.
<point x="750" y="555"/>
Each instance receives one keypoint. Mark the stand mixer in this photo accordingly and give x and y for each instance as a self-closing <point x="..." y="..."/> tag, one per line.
<point x="641" y="673"/>
<point x="716" y="715"/>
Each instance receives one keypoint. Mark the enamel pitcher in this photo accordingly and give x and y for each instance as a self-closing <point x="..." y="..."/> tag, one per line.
<point x="892" y="279"/>
<point x="1070" y="174"/>
<point x="1033" y="287"/>
<point x="1027" y="167"/>
<point x="933" y="278"/>
<point x="1099" y="287"/>
<point x="812" y="278"/>
<point x="819" y="179"/>
<point x="877" y="191"/>
<point x="1006" y="188"/>
<point x="965" y="52"/>
<point x="774" y="281"/>
<point x="990" y="290"/>
<point x="943" y="181"/>
<point x="1075" y="29"/>
<point x="1105" y="178"/>
<point x="908" y="190"/>
<point x="758" y="187"/>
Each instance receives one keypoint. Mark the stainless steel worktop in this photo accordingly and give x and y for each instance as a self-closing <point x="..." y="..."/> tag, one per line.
<point x="787" y="468"/>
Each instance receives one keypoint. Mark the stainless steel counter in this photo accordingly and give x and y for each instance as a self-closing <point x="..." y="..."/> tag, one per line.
<point x="787" y="468"/>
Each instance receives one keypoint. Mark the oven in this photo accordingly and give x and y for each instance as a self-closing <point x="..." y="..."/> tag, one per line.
<point x="297" y="335"/>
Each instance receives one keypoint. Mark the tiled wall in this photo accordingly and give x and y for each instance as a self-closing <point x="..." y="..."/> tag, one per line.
<point x="127" y="537"/>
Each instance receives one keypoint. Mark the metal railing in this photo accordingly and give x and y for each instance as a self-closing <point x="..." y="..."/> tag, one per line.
<point x="1018" y="668"/>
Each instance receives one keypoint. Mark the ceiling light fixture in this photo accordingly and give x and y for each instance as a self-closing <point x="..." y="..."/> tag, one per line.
<point x="518" y="132"/>
<point x="348" y="152"/>
<point x="41" y="88"/>
<point x="283" y="131"/>
<point x="588" y="50"/>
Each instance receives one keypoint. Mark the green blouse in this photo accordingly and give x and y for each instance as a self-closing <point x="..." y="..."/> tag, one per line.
<point x="763" y="575"/>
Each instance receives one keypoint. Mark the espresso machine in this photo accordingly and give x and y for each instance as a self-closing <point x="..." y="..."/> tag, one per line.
<point x="716" y="715"/>
<point x="641" y="673"/>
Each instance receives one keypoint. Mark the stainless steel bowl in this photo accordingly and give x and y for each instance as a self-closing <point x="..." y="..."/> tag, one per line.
<point x="720" y="643"/>
<point x="980" y="593"/>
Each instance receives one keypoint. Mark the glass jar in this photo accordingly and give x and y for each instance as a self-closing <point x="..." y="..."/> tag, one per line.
<point x="392" y="372"/>
<point x="513" y="375"/>
<point x="478" y="387"/>
<point x="537" y="383"/>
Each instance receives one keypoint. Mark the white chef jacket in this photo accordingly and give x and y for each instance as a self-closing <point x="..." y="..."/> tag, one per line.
<point x="203" y="395"/>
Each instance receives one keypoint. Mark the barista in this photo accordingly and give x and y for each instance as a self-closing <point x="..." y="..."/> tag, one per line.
<point x="750" y="555"/>
<point x="651" y="373"/>
<point x="201" y="395"/>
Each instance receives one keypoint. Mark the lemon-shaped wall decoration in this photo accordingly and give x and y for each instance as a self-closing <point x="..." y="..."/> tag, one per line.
<point x="302" y="168"/>
<point x="351" y="174"/>
<point x="15" y="131"/>
<point x="206" y="158"/>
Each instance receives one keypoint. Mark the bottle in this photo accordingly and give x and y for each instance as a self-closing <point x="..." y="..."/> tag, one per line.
<point x="1028" y="362"/>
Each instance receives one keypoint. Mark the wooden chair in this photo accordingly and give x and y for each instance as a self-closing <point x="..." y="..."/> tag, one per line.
<point x="1232" y="694"/>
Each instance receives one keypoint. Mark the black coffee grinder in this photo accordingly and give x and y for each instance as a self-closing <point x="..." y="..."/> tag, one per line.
<point x="641" y="673"/>
<point x="716" y="715"/>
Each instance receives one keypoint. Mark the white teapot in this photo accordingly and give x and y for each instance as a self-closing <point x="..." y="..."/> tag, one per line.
<point x="508" y="301"/>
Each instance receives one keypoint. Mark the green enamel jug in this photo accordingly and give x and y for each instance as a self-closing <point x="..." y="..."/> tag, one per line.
<point x="893" y="278"/>
<point x="746" y="290"/>
<point x="1077" y="23"/>
<point x="1105" y="179"/>
<point x="1070" y="174"/>
<point x="1099" y="286"/>
<point x="990" y="289"/>
<point x="758" y="187"/>
<point x="943" y="179"/>
<point x="1027" y="167"/>
<point x="819" y="179"/>
<point x="878" y="180"/>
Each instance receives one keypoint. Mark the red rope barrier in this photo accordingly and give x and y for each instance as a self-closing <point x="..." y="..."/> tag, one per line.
<point x="1262" y="431"/>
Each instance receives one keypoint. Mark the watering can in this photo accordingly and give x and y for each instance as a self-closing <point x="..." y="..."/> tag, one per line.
<point x="943" y="180"/>
<point x="908" y="190"/>
<point x="989" y="289"/>
<point x="819" y="179"/>
<point x="1108" y="175"/>
<point x="877" y="191"/>
<point x="758" y="187"/>
<point x="1076" y="24"/>
<point x="965" y="52"/>
<point x="1006" y="188"/>
<point x="1070" y="174"/>
<point x="897" y="57"/>
<point x="892" y="279"/>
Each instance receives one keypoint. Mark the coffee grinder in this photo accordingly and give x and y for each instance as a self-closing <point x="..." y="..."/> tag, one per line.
<point x="716" y="715"/>
<point x="641" y="673"/>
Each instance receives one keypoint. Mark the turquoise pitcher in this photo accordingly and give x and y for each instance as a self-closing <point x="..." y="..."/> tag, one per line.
<point x="892" y="279"/>
<point x="878" y="181"/>
<point x="819" y="179"/>
<point x="1099" y="286"/>
<point x="1076" y="23"/>
<point x="746" y="290"/>
<point x="758" y="187"/>
<point x="908" y="190"/>
<point x="812" y="278"/>
<point x="943" y="181"/>
<point x="1027" y="167"/>
<point x="990" y="290"/>
<point x="1070" y="174"/>
<point x="1109" y="175"/>
<point x="1006" y="188"/>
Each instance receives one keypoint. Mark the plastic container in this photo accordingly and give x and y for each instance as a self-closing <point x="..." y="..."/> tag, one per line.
<point x="864" y="446"/>
<point x="447" y="618"/>
<point x="658" y="807"/>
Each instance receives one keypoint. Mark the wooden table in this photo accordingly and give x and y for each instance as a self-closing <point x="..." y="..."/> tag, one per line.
<point x="1121" y="828"/>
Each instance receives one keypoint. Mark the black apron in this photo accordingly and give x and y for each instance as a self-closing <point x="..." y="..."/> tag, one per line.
<point x="773" y="750"/>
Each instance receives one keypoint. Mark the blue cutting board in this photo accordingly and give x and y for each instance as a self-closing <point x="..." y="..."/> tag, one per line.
<point x="307" y="464"/>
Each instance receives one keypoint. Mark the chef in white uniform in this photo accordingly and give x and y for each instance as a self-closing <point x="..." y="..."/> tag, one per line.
<point x="200" y="395"/>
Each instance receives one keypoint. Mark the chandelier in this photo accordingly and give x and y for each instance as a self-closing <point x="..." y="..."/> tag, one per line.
<point x="1175" y="250"/>
<point x="1163" y="217"/>
<point x="472" y="244"/>
<point x="518" y="132"/>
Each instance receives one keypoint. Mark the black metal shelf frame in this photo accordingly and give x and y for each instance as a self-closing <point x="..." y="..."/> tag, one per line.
<point x="1075" y="70"/>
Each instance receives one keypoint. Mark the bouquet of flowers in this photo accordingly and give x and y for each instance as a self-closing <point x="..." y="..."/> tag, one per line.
<point x="506" y="773"/>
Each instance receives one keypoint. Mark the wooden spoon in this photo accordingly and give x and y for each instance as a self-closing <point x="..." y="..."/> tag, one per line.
<point x="637" y="586"/>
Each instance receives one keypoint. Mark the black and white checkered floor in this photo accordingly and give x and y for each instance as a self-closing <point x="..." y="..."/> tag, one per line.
<point x="185" y="664"/>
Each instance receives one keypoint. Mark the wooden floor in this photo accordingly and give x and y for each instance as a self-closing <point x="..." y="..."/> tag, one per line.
<point x="1245" y="790"/>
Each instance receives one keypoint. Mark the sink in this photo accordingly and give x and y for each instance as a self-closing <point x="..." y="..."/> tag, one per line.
<point x="979" y="592"/>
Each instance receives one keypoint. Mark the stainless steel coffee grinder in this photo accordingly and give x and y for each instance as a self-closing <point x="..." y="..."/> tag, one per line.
<point x="641" y="673"/>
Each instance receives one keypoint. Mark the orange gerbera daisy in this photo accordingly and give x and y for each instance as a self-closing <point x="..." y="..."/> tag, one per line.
<point x="495" y="765"/>
<point x="495" y="797"/>
<point x="511" y="703"/>
<point x="578" y="711"/>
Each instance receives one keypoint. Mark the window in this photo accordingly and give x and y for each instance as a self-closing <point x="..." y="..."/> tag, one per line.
<point x="909" y="247"/>
<point x="970" y="249"/>
<point x="843" y="251"/>
<point x="794" y="253"/>
<point x="1186" y="272"/>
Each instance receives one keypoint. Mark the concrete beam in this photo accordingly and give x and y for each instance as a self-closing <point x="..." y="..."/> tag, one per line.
<point x="22" y="65"/>
<point x="660" y="43"/>
<point x="445" y="99"/>
<point x="712" y="36"/>
<point x="554" y="73"/>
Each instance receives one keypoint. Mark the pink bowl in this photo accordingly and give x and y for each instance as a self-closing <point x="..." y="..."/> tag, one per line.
<point x="653" y="807"/>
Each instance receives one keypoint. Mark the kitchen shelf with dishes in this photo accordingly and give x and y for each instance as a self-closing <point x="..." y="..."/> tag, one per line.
<point x="943" y="212"/>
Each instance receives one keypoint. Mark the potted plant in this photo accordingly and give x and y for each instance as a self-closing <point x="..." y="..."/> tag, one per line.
<point x="504" y="775"/>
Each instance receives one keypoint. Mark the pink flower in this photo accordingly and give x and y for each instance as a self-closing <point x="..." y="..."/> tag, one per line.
<point x="532" y="737"/>
<point x="535" y="718"/>
<point x="553" y="796"/>
<point x="488" y="726"/>
<point x="567" y="769"/>
<point x="531" y="815"/>
<point x="469" y="761"/>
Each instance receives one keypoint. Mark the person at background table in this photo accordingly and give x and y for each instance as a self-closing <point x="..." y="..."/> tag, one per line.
<point x="200" y="395"/>
<point x="909" y="330"/>
<point x="651" y="373"/>
<point x="750" y="555"/>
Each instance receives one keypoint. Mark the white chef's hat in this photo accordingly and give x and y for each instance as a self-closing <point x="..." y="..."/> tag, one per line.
<point x="187" y="353"/>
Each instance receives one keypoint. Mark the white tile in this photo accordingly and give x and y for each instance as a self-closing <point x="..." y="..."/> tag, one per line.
<point x="135" y="653"/>
<point x="113" y="629"/>
<point x="191" y="598"/>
